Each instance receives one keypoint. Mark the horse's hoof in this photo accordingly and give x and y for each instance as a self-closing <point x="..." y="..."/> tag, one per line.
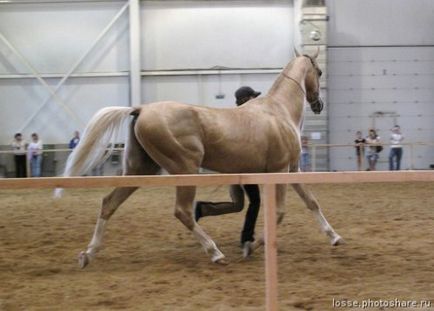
<point x="222" y="261"/>
<point x="247" y="249"/>
<point x="337" y="241"/>
<point x="83" y="260"/>
<point x="257" y="244"/>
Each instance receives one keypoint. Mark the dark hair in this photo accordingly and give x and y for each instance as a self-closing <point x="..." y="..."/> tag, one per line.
<point x="373" y="131"/>
<point x="244" y="94"/>
<point x="17" y="134"/>
<point x="241" y="101"/>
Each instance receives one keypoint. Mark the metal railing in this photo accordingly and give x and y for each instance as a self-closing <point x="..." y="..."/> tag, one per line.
<point x="411" y="159"/>
<point x="54" y="158"/>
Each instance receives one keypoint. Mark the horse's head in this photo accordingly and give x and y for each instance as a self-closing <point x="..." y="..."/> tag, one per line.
<point x="312" y="84"/>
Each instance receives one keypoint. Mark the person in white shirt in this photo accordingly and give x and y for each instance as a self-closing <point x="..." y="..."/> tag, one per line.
<point x="35" y="155"/>
<point x="19" y="149"/>
<point x="395" y="154"/>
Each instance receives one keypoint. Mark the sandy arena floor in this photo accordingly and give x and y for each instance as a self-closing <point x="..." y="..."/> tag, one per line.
<point x="151" y="262"/>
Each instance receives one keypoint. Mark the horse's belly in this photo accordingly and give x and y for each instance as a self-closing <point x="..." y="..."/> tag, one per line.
<point x="234" y="162"/>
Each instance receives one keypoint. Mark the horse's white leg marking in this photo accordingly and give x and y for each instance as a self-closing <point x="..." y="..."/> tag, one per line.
<point x="183" y="211"/>
<point x="86" y="257"/>
<point x="312" y="204"/>
<point x="58" y="193"/>
<point x="109" y="205"/>
<point x="208" y="244"/>
<point x="335" y="239"/>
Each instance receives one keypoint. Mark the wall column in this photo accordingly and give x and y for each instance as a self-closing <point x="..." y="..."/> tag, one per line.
<point x="135" y="65"/>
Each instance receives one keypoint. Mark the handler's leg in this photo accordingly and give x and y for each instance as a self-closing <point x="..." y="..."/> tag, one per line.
<point x="280" y="203"/>
<point x="205" y="208"/>
<point x="248" y="232"/>
<point x="247" y="235"/>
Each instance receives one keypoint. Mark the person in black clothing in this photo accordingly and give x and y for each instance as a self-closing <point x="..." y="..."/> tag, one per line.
<point x="19" y="147"/>
<point x="204" y="208"/>
<point x="360" y="149"/>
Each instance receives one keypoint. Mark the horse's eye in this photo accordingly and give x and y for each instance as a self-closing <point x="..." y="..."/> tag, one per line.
<point x="319" y="73"/>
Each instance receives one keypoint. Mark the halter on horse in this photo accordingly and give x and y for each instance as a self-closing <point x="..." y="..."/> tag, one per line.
<point x="262" y="135"/>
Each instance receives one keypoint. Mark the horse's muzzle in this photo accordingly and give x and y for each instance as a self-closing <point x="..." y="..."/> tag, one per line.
<point x="317" y="106"/>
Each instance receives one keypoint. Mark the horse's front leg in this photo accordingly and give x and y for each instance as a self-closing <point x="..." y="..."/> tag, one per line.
<point x="311" y="202"/>
<point x="183" y="211"/>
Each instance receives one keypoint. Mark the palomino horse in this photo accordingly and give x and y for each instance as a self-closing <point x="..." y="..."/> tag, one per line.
<point x="261" y="136"/>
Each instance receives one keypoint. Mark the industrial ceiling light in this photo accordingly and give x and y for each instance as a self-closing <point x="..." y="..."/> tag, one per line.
<point x="315" y="35"/>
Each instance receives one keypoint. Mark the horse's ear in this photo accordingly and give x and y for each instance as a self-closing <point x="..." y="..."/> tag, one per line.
<point x="316" y="54"/>
<point x="297" y="53"/>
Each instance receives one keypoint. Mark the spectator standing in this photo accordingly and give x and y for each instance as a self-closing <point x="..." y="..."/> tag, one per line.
<point x="19" y="148"/>
<point x="359" y="142"/>
<point x="373" y="140"/>
<point x="305" y="155"/>
<point x="74" y="140"/>
<point x="35" y="155"/>
<point x="395" y="154"/>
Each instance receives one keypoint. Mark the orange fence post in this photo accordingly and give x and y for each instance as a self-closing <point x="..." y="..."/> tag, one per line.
<point x="271" y="292"/>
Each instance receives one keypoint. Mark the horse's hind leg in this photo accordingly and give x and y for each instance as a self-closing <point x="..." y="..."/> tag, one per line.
<point x="311" y="202"/>
<point x="109" y="205"/>
<point x="183" y="211"/>
<point x="137" y="162"/>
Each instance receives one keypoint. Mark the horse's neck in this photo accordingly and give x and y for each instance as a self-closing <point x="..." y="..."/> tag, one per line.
<point x="289" y="91"/>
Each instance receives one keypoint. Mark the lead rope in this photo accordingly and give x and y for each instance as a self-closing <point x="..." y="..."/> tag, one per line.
<point x="295" y="81"/>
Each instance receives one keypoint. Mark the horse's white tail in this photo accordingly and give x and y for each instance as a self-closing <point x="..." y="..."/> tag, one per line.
<point x="100" y="133"/>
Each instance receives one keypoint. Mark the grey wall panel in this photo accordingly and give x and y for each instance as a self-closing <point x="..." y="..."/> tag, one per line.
<point x="202" y="90"/>
<point x="203" y="34"/>
<point x="363" y="81"/>
<point x="53" y="36"/>
<point x="84" y="97"/>
<point x="174" y="88"/>
<point x="175" y="34"/>
<point x="380" y="22"/>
